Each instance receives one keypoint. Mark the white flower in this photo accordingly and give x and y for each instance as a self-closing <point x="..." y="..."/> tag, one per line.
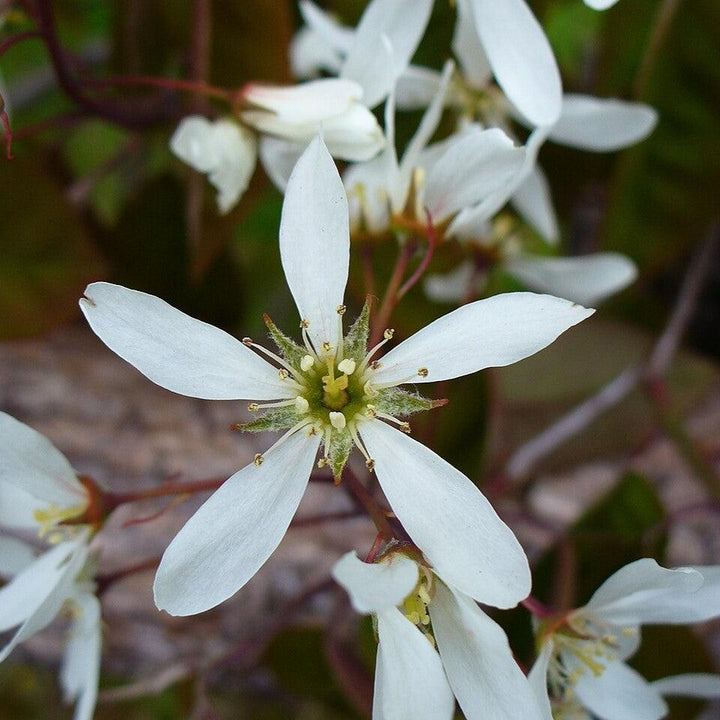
<point x="332" y="391"/>
<point x="600" y="4"/>
<point x="42" y="587"/>
<point x="288" y="118"/>
<point x="417" y="609"/>
<point x="444" y="180"/>
<point x="398" y="24"/>
<point x="582" y="656"/>
<point x="38" y="487"/>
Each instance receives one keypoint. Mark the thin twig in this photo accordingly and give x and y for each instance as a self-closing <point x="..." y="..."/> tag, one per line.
<point x="390" y="299"/>
<point x="422" y="267"/>
<point x="111" y="500"/>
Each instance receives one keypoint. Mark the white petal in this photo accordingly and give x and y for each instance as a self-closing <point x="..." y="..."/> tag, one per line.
<point x="620" y="693"/>
<point x="18" y="508"/>
<point x="368" y="201"/>
<point x="337" y="36"/>
<point x="478" y="163"/>
<point x="409" y="678"/>
<point x="493" y="332"/>
<point x="600" y="4"/>
<point x="15" y="555"/>
<point x="310" y="55"/>
<point x="537" y="678"/>
<point x="80" y="671"/>
<point x="309" y="102"/>
<point x="399" y="22"/>
<point x="478" y="661"/>
<point x="34" y="597"/>
<point x="448" y="518"/>
<point x="176" y="351"/>
<point x="193" y="142"/>
<point x="586" y="280"/>
<point x="533" y="201"/>
<point x="32" y="464"/>
<point x="602" y="124"/>
<point x="416" y="88"/>
<point x="376" y="586"/>
<point x="278" y="157"/>
<point x="236" y="149"/>
<point x="355" y="135"/>
<point x="696" y="685"/>
<point x="419" y="140"/>
<point x="521" y="58"/>
<point x="450" y="287"/>
<point x="315" y="242"/>
<point x="466" y="45"/>
<point x="235" y="531"/>
<point x="645" y="592"/>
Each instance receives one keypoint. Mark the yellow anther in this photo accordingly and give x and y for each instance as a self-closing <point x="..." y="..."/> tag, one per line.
<point x="375" y="364"/>
<point x="370" y="411"/>
<point x="405" y="427"/>
<point x="326" y="346"/>
<point x="247" y="341"/>
<point x="53" y="515"/>
<point x="306" y="362"/>
<point x="340" y="309"/>
<point x="283" y="374"/>
<point x="253" y="407"/>
<point x="347" y="366"/>
<point x="258" y="459"/>
<point x="301" y="404"/>
<point x="370" y="464"/>
<point x="422" y="372"/>
<point x="304" y="324"/>
<point x="323" y="461"/>
<point x="389" y="333"/>
<point x="337" y="420"/>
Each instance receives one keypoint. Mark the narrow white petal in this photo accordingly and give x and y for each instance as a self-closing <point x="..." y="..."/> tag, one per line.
<point x="696" y="685"/>
<point x="478" y="163"/>
<point x="34" y="597"/>
<point x="278" y="157"/>
<point x="600" y="4"/>
<point x="521" y="58"/>
<point x="176" y="351"/>
<point x="33" y="465"/>
<point x="448" y="518"/>
<point x="645" y="592"/>
<point x="340" y="37"/>
<point x="538" y="678"/>
<point x="409" y="678"/>
<point x="80" y="671"/>
<point x="18" y="508"/>
<point x="193" y="142"/>
<point x="452" y="286"/>
<point x="586" y="280"/>
<point x="399" y="22"/>
<point x="309" y="102"/>
<point x="493" y="332"/>
<point x="466" y="45"/>
<point x="478" y="661"/>
<point x="419" y="140"/>
<point x="236" y="149"/>
<point x="416" y="88"/>
<point x="310" y="55"/>
<point x="15" y="555"/>
<point x="620" y="693"/>
<point x="368" y="200"/>
<point x="602" y="124"/>
<point x="315" y="241"/>
<point x="235" y="531"/>
<point x="533" y="201"/>
<point x="376" y="586"/>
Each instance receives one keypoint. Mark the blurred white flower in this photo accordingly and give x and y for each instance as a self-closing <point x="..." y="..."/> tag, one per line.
<point x="416" y="610"/>
<point x="581" y="659"/>
<point x="288" y="118"/>
<point x="39" y="490"/>
<point x="329" y="391"/>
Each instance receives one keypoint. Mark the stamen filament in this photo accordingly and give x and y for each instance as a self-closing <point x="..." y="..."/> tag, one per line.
<point x="259" y="457"/>
<point x="249" y="343"/>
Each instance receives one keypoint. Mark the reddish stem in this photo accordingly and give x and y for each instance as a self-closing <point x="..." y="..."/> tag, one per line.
<point x="390" y="299"/>
<point x="8" y="134"/>
<point x="376" y="512"/>
<point x="105" y="581"/>
<point x="6" y="44"/>
<point x="320" y="518"/>
<point x="112" y="500"/>
<point x="422" y="267"/>
<point x="192" y="86"/>
<point x="375" y="549"/>
<point x="537" y="608"/>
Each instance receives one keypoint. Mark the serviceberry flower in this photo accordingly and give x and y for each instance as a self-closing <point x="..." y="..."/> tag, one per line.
<point x="39" y="490"/>
<point x="286" y="118"/>
<point x="434" y="641"/>
<point x="581" y="660"/>
<point x="330" y="391"/>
